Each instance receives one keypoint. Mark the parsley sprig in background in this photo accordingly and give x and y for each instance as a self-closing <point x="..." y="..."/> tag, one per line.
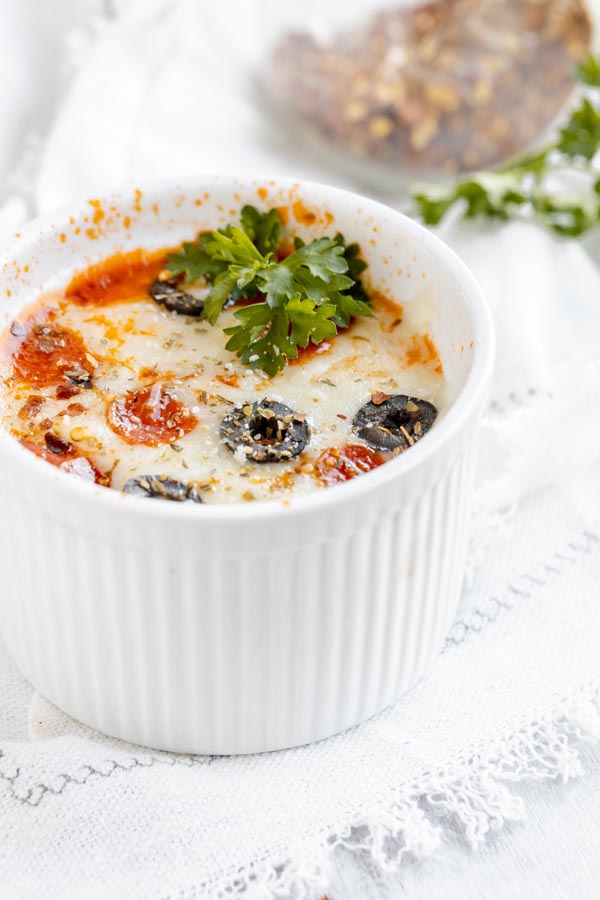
<point x="301" y="299"/>
<point x="531" y="187"/>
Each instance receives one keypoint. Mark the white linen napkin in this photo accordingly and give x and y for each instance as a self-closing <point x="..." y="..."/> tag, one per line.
<point x="517" y="687"/>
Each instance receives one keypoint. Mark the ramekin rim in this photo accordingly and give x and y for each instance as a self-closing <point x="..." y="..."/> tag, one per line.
<point x="471" y="394"/>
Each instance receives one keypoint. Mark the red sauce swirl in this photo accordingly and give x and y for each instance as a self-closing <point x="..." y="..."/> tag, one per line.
<point x="124" y="276"/>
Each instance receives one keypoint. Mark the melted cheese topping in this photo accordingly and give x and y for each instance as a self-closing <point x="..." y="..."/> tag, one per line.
<point x="154" y="387"/>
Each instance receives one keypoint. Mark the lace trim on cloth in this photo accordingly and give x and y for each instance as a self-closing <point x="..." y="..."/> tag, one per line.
<point x="472" y="793"/>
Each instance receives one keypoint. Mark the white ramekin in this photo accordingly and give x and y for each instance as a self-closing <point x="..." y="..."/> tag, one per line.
<point x="236" y="629"/>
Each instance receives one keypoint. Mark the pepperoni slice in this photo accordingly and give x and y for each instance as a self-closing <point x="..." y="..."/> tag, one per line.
<point x="150" y="416"/>
<point x="47" y="353"/>
<point x="338" y="464"/>
<point x="68" y="460"/>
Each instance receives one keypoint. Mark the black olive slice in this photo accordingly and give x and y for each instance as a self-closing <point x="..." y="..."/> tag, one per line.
<point x="394" y="423"/>
<point x="162" y="486"/>
<point x="169" y="294"/>
<point x="265" y="431"/>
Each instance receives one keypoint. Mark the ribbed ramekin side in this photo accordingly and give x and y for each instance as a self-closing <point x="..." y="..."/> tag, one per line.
<point x="444" y="562"/>
<point x="19" y="561"/>
<point x="339" y="629"/>
<point x="411" y="611"/>
<point x="240" y="651"/>
<point x="29" y="626"/>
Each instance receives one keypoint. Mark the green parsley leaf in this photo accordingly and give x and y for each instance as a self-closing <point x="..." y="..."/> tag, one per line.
<point x="356" y="265"/>
<point x="531" y="163"/>
<point x="432" y="205"/>
<point x="526" y="188"/>
<point x="485" y="200"/>
<point x="493" y="196"/>
<point x="580" y="137"/>
<point x="309" y="286"/>
<point x="222" y="288"/>
<point x="307" y="296"/>
<point x="310" y="321"/>
<point x="254" y="321"/>
<point x="323" y="257"/>
<point x="232" y="245"/>
<point x="277" y="283"/>
<point x="266" y="338"/>
<point x="263" y="229"/>
<point x="194" y="263"/>
<point x="588" y="71"/>
<point x="564" y="216"/>
<point x="262" y="338"/>
<point x="319" y="273"/>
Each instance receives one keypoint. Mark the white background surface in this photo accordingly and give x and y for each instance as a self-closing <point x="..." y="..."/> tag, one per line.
<point x="555" y="853"/>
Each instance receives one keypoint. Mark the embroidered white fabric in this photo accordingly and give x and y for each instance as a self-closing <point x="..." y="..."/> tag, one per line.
<point x="517" y="688"/>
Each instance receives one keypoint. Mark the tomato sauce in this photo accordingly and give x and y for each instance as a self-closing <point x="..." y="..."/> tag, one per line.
<point x="339" y="464"/>
<point x="307" y="353"/>
<point x="423" y="351"/>
<point x="124" y="276"/>
<point x="302" y="214"/>
<point x="150" y="416"/>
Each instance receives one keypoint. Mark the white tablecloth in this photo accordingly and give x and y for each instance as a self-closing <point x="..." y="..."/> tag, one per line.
<point x="535" y="557"/>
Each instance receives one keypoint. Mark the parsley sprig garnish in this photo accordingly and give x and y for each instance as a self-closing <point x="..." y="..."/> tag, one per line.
<point x="527" y="188"/>
<point x="301" y="299"/>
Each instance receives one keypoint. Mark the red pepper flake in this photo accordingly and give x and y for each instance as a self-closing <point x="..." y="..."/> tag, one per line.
<point x="31" y="407"/>
<point x="378" y="397"/>
<point x="66" y="391"/>
<point x="56" y="444"/>
<point x="75" y="409"/>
